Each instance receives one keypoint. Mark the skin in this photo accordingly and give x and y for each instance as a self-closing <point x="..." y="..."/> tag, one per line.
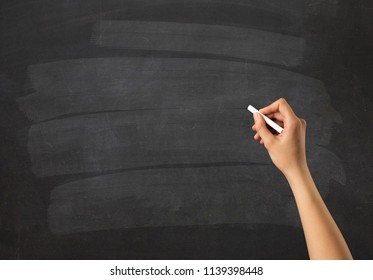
<point x="288" y="153"/>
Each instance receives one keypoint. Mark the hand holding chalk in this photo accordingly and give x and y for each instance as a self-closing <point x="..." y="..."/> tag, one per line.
<point x="271" y="123"/>
<point x="287" y="149"/>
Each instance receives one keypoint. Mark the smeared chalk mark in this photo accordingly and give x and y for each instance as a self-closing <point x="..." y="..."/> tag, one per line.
<point x="182" y="196"/>
<point x="322" y="7"/>
<point x="120" y="84"/>
<point x="168" y="198"/>
<point x="201" y="38"/>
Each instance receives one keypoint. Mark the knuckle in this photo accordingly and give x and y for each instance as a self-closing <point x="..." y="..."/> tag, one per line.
<point x="269" y="143"/>
<point x="304" y="123"/>
<point x="282" y="100"/>
<point x="293" y="122"/>
<point x="268" y="146"/>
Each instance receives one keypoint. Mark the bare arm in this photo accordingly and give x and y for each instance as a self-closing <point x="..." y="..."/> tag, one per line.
<point x="287" y="151"/>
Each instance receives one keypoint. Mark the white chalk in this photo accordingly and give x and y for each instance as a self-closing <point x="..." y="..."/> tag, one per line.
<point x="271" y="123"/>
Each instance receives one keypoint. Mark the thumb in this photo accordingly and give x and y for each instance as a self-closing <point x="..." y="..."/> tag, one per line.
<point x="262" y="130"/>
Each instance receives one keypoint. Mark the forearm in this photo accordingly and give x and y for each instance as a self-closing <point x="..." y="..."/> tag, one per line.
<point x="324" y="239"/>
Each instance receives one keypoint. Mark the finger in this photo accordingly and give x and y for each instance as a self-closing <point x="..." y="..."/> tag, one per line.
<point x="261" y="142"/>
<point x="257" y="137"/>
<point x="279" y="123"/>
<point x="263" y="131"/>
<point x="276" y="116"/>
<point x="273" y="131"/>
<point x="279" y="105"/>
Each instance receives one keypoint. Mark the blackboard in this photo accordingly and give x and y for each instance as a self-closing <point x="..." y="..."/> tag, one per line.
<point x="125" y="133"/>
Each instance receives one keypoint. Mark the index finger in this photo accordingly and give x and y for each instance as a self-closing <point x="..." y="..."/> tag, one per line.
<point x="279" y="105"/>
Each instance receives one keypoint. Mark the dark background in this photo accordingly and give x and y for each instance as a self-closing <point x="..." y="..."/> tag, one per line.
<point x="339" y="53"/>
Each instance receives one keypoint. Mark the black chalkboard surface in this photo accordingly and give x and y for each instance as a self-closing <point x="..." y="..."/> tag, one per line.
<point x="125" y="131"/>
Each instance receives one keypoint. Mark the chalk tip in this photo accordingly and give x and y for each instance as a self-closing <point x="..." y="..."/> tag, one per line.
<point x="251" y="109"/>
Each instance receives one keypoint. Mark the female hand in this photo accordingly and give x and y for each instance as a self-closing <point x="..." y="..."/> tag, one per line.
<point x="287" y="150"/>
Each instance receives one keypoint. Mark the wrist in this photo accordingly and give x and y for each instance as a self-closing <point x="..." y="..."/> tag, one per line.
<point x="298" y="170"/>
<point x="303" y="186"/>
<point x="298" y="176"/>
